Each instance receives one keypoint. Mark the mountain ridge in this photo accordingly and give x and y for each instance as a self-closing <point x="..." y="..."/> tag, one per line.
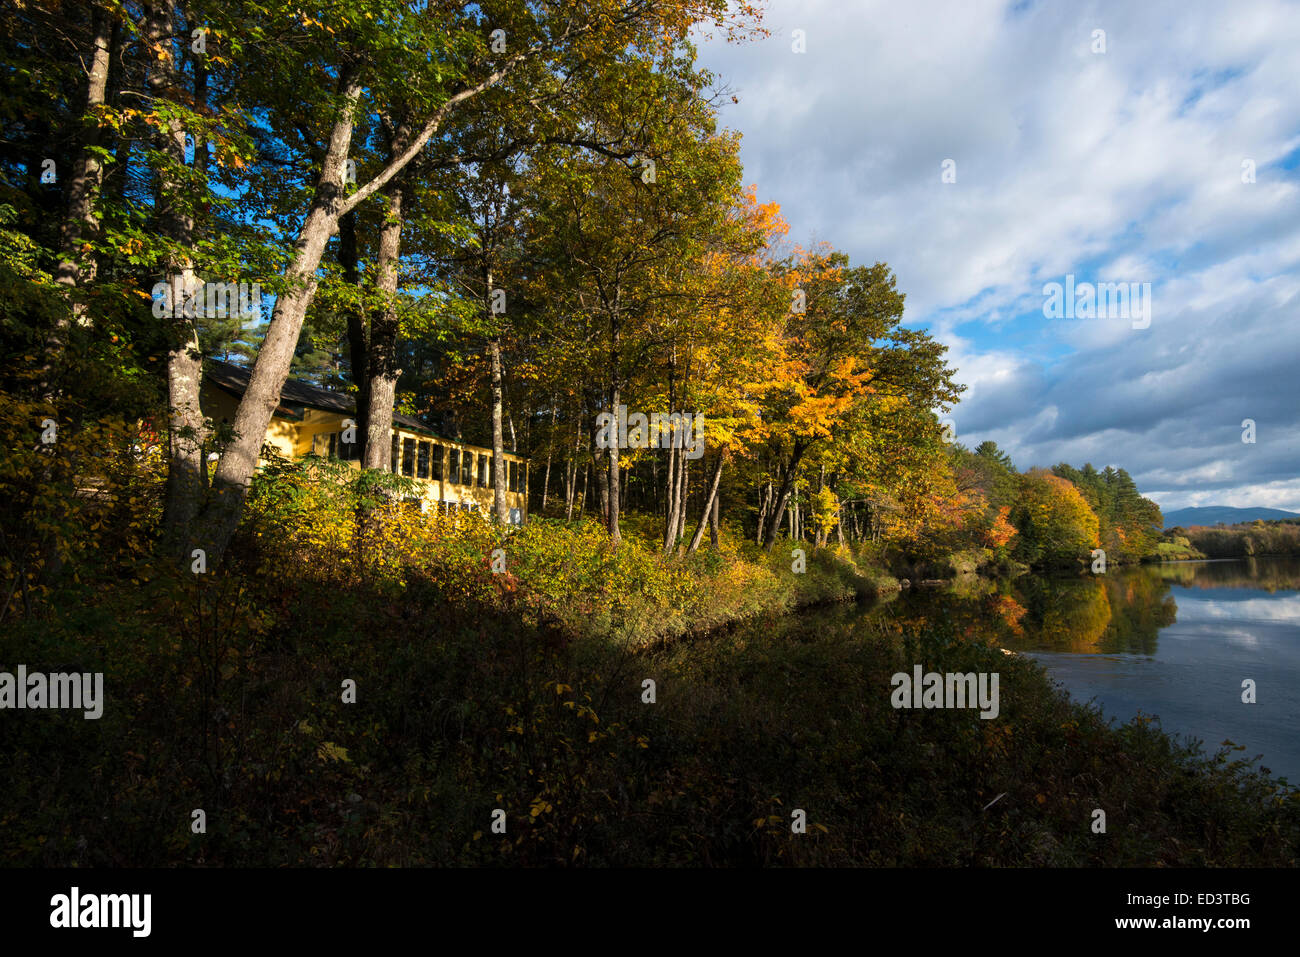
<point x="1227" y="514"/>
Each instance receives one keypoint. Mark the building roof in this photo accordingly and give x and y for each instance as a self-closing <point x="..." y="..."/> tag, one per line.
<point x="234" y="379"/>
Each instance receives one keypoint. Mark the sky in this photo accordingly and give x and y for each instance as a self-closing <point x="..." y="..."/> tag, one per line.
<point x="1163" y="150"/>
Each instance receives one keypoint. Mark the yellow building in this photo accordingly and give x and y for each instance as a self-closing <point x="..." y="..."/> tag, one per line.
<point x="451" y="475"/>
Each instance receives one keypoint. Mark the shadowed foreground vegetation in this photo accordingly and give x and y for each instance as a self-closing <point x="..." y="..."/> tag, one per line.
<point x="524" y="691"/>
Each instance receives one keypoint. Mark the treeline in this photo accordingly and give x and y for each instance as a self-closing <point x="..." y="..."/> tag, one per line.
<point x="508" y="219"/>
<point x="1129" y="526"/>
<point x="1256" y="539"/>
<point x="512" y="221"/>
<point x="1054" y="517"/>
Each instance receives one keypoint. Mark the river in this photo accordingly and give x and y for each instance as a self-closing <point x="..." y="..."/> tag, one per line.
<point x="1175" y="641"/>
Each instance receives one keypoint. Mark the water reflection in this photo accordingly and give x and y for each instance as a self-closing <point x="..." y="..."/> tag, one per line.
<point x="1174" y="640"/>
<point x="1122" y="612"/>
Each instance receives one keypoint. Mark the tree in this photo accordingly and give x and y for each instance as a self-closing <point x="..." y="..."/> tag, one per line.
<point x="625" y="246"/>
<point x="1056" y="525"/>
<point x="1129" y="524"/>
<point x="843" y="357"/>
<point x="437" y="59"/>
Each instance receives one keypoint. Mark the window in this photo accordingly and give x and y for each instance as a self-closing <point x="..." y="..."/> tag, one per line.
<point x="483" y="480"/>
<point x="345" y="451"/>
<point x="467" y="468"/>
<point x="436" y="471"/>
<point x="395" y="461"/>
<point x="422" y="461"/>
<point x="349" y="451"/>
<point x="453" y="473"/>
<point x="408" y="457"/>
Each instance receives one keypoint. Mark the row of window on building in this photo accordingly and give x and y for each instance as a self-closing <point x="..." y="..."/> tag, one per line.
<point x="452" y="508"/>
<point x="418" y="458"/>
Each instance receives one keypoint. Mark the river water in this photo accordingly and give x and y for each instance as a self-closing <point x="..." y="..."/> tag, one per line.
<point x="1175" y="641"/>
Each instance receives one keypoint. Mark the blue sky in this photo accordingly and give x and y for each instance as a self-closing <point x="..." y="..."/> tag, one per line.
<point x="1121" y="165"/>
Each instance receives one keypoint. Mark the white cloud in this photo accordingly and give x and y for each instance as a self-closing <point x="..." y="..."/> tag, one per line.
<point x="1124" y="166"/>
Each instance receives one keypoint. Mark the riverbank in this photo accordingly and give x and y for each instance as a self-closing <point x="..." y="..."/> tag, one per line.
<point x="230" y="693"/>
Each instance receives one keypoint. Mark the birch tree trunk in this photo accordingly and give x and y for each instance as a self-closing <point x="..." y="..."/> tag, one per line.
<point x="271" y="369"/>
<point x="672" y="505"/>
<point x="498" y="438"/>
<point x="710" y="504"/>
<point x="682" y="496"/>
<point x="614" y="398"/>
<point x="550" y="447"/>
<point x="186" y="475"/>
<point x="81" y="225"/>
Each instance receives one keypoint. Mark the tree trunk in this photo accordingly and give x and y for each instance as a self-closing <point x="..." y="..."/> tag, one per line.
<point x="358" y="333"/>
<point x="382" y="370"/>
<point x="81" y="225"/>
<point x="271" y="369"/>
<point x="498" y="438"/>
<point x="186" y="467"/>
<point x="117" y="175"/>
<point x="783" y="498"/>
<point x="710" y="503"/>
<point x="614" y="398"/>
<point x="382" y="351"/>
<point x="671" y="504"/>
<point x="187" y="470"/>
<point x="550" y="446"/>
<point x="714" y="518"/>
<point x="571" y="473"/>
<point x="601" y="474"/>
<point x="570" y="487"/>
<point x="683" y="496"/>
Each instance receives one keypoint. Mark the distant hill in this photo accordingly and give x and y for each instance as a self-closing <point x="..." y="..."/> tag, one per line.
<point x="1214" y="514"/>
